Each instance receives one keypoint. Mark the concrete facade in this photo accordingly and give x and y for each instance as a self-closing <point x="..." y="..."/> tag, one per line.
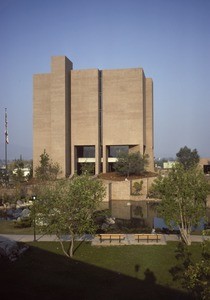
<point x="79" y="116"/>
<point x="84" y="114"/>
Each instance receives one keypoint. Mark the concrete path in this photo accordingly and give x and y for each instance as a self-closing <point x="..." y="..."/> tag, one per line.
<point x="43" y="238"/>
<point x="129" y="239"/>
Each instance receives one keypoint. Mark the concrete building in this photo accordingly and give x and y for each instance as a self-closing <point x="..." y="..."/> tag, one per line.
<point x="205" y="165"/>
<point x="86" y="116"/>
<point x="169" y="164"/>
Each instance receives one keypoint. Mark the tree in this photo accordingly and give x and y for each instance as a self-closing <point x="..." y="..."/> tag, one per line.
<point x="130" y="163"/>
<point x="67" y="206"/>
<point x="47" y="169"/>
<point x="88" y="168"/>
<point x="183" y="196"/>
<point x="18" y="174"/>
<point x="194" y="276"/>
<point x="187" y="157"/>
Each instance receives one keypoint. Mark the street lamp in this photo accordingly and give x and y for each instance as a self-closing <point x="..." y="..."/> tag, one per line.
<point x="128" y="204"/>
<point x="34" y="218"/>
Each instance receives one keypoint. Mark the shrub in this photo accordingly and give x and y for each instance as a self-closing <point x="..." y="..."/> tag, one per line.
<point x="23" y="223"/>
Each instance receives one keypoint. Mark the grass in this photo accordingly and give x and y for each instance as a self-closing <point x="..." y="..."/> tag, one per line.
<point x="135" y="260"/>
<point x="114" y="272"/>
<point x="7" y="227"/>
<point x="120" y="272"/>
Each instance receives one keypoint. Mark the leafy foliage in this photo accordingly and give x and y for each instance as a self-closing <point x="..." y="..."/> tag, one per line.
<point x="47" y="169"/>
<point x="67" y="207"/>
<point x="195" y="276"/>
<point x="187" y="157"/>
<point x="137" y="186"/>
<point x="130" y="163"/>
<point x="88" y="168"/>
<point x="23" y="223"/>
<point x="18" y="176"/>
<point x="183" y="194"/>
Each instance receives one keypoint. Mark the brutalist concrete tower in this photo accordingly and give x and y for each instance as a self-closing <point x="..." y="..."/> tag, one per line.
<point x="86" y="116"/>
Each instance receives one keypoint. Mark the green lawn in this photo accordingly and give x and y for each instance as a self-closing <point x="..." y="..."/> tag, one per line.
<point x="7" y="227"/>
<point x="114" y="272"/>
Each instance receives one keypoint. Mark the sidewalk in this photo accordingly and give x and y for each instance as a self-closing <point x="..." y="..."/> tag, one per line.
<point x="42" y="238"/>
<point x="129" y="239"/>
<point x="29" y="238"/>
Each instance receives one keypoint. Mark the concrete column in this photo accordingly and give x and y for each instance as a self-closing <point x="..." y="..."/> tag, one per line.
<point x="73" y="160"/>
<point x="97" y="159"/>
<point x="60" y="99"/>
<point x="149" y="123"/>
<point x="41" y="117"/>
<point x="105" y="159"/>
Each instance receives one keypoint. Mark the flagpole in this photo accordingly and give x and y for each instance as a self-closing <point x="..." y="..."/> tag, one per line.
<point x="6" y="140"/>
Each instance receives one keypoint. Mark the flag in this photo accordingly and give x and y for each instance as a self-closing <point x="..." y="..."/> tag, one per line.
<point x="6" y="130"/>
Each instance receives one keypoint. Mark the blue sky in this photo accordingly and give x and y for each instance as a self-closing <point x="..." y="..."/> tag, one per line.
<point x="169" y="39"/>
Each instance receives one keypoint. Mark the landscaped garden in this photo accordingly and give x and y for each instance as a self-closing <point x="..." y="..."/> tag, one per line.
<point x="114" y="272"/>
<point x="123" y="272"/>
<point x="48" y="271"/>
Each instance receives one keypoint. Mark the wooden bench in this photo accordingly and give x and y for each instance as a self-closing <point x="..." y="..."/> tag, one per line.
<point x="147" y="237"/>
<point x="111" y="236"/>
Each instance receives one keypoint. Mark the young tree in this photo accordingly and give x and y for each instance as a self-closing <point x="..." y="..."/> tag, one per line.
<point x="130" y="163"/>
<point x="47" y="169"/>
<point x="17" y="171"/>
<point x="194" y="276"/>
<point x="67" y="207"/>
<point x="87" y="168"/>
<point x="187" y="157"/>
<point x="183" y="194"/>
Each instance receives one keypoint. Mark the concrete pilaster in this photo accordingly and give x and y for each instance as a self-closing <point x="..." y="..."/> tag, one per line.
<point x="60" y="99"/>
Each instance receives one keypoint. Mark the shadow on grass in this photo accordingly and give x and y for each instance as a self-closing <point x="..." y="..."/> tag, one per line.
<point x="41" y="274"/>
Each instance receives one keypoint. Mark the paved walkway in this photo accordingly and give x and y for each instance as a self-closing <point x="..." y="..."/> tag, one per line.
<point x="42" y="238"/>
<point x="129" y="239"/>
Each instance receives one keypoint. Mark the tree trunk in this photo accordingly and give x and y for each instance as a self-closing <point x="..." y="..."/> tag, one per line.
<point x="62" y="247"/>
<point x="185" y="236"/>
<point x="71" y="248"/>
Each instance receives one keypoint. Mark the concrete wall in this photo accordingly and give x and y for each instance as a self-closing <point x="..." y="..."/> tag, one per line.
<point x="124" y="190"/>
<point x="51" y="125"/>
<point x="122" y="109"/>
<point x="60" y="103"/>
<point x="149" y="124"/>
<point x="125" y="205"/>
<point x="41" y="117"/>
<point x="127" y="100"/>
<point x="84" y="111"/>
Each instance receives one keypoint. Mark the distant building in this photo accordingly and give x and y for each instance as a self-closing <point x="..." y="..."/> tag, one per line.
<point x="26" y="171"/>
<point x="205" y="165"/>
<point x="169" y="164"/>
<point x="86" y="116"/>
